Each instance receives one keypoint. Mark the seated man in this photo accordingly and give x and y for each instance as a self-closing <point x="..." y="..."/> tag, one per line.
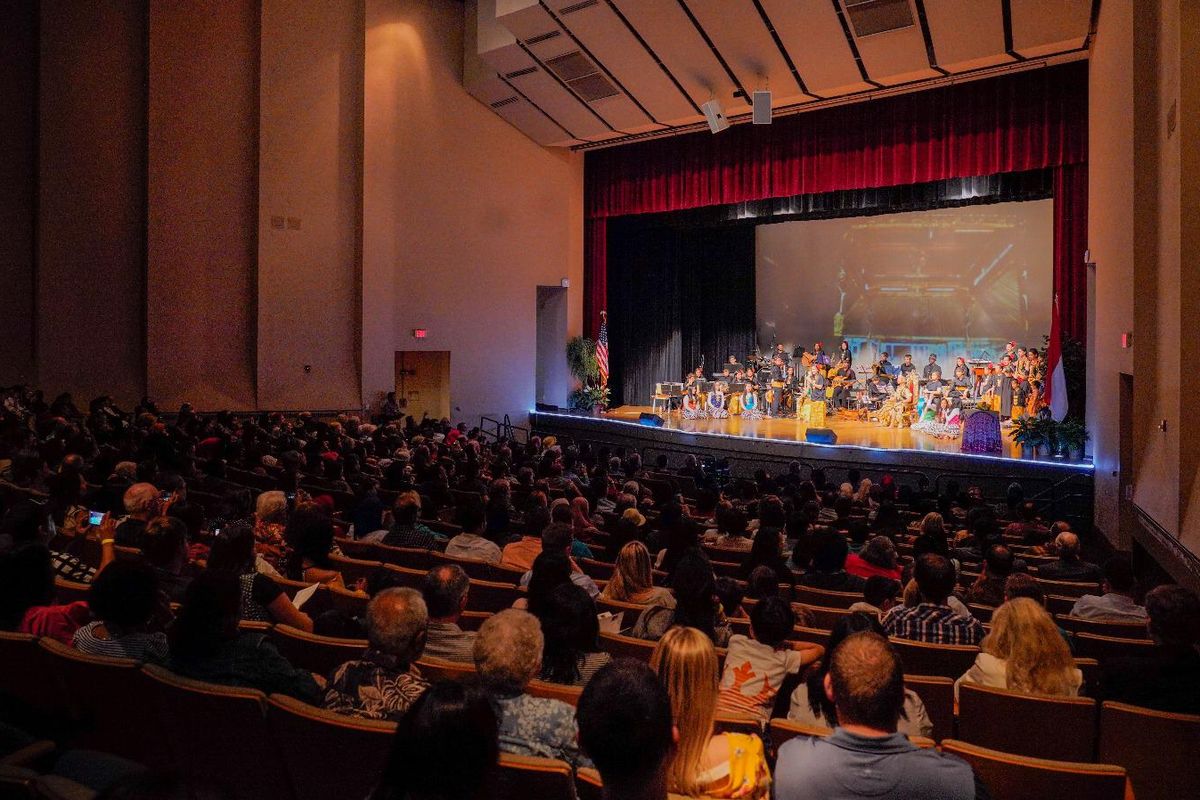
<point x="988" y="589"/>
<point x="471" y="543"/>
<point x="1029" y="528"/>
<point x="1118" y="603"/>
<point x="932" y="620"/>
<point x="625" y="727"/>
<point x="384" y="684"/>
<point x="141" y="505"/>
<point x="865" y="756"/>
<point x="1167" y="679"/>
<point x="557" y="538"/>
<point x="445" y="594"/>
<point x="1069" y="567"/>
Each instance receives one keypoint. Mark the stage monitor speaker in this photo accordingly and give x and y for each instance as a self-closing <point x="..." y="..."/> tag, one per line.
<point x="546" y="407"/>
<point x="762" y="108"/>
<point x="715" y="116"/>
<point x="651" y="420"/>
<point x="820" y="436"/>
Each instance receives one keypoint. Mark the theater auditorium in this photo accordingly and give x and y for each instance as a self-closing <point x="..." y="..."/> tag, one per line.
<point x="599" y="399"/>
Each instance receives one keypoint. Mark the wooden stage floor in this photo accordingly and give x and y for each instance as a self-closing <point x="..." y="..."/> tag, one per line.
<point x="849" y="431"/>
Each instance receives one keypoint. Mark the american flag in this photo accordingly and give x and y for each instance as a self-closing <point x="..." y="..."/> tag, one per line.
<point x="602" y="349"/>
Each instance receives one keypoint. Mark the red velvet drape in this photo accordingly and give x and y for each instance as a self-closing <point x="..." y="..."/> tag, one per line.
<point x="595" y="273"/>
<point x="1030" y="120"/>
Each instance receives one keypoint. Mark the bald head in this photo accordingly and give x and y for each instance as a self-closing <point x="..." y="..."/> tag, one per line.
<point x="866" y="682"/>
<point x="140" y="500"/>
<point x="396" y="622"/>
<point x="1066" y="544"/>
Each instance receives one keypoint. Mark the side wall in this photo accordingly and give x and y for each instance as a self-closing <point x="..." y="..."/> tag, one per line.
<point x="463" y="217"/>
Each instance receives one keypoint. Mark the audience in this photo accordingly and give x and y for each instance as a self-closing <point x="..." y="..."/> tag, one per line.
<point x="446" y="591"/>
<point x="696" y="604"/>
<point x="1165" y="680"/>
<point x="27" y="603"/>
<point x="866" y="756"/>
<point x="407" y="530"/>
<point x="1118" y="603"/>
<point x="508" y="655"/>
<point x="722" y="765"/>
<point x="1025" y="653"/>
<point x="625" y="727"/>
<point x="309" y="536"/>
<point x="260" y="598"/>
<point x="879" y="596"/>
<point x="205" y="644"/>
<point x="877" y="558"/>
<point x="557" y="538"/>
<point x="932" y="620"/>
<point x="384" y="683"/>
<point x="142" y="502"/>
<point x="1069" y="566"/>
<point x="828" y="569"/>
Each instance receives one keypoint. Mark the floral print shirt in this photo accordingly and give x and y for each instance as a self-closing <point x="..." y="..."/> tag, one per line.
<point x="374" y="688"/>
<point x="538" y="726"/>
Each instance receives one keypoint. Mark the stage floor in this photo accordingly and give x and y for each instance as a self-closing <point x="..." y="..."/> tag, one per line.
<point x="849" y="431"/>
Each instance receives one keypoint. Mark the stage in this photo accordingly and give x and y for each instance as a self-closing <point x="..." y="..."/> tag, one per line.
<point x="912" y="457"/>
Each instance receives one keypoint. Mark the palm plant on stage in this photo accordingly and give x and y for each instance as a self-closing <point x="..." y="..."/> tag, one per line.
<point x="590" y="394"/>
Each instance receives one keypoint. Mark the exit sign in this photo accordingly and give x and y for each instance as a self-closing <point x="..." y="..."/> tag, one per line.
<point x="419" y="333"/>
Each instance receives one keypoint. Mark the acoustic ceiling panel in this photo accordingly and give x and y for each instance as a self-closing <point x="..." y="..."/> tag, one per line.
<point x="1042" y="27"/>
<point x="895" y="55"/>
<point x="812" y="34"/>
<point x="967" y="34"/>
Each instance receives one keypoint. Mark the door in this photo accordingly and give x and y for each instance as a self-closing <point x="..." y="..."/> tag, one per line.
<point x="553" y="378"/>
<point x="423" y="383"/>
<point x="1125" y="458"/>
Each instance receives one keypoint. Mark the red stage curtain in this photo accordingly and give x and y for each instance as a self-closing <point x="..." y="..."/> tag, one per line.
<point x="1030" y="120"/>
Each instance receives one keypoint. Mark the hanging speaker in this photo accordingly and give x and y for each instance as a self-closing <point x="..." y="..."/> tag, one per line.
<point x="762" y="108"/>
<point x="715" y="116"/>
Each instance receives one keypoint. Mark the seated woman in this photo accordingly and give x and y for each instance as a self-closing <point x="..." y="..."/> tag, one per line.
<point x="704" y="763"/>
<point x="716" y="402"/>
<point x="632" y="579"/>
<point x="206" y="644"/>
<point x="1025" y="653"/>
<point x="550" y="570"/>
<point x="692" y="405"/>
<point x="897" y="408"/>
<point x="943" y="419"/>
<point x="571" y="651"/>
<point x="27" y="596"/>
<point x="811" y="705"/>
<point x="508" y="655"/>
<point x="130" y="611"/>
<point x="261" y="599"/>
<point x="749" y="403"/>
<point x="828" y="568"/>
<point x="878" y="557"/>
<point x="309" y="534"/>
<point x="696" y="603"/>
<point x="731" y="532"/>
<point x="444" y="748"/>
<point x="270" y="520"/>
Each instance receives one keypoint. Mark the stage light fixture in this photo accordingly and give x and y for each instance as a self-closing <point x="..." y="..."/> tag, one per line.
<point x="762" y="107"/>
<point x="715" y="116"/>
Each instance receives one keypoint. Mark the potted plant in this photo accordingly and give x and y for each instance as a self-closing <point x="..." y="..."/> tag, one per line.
<point x="1030" y="432"/>
<point x="589" y="394"/>
<point x="1072" y="437"/>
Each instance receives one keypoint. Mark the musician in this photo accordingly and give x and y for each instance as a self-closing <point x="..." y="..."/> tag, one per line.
<point x="781" y="352"/>
<point x="732" y="364"/>
<point x="843" y="352"/>
<point x="819" y="356"/>
<point x="931" y="367"/>
<point x="716" y="402"/>
<point x="1037" y="366"/>
<point x="988" y="390"/>
<point x="693" y="405"/>
<point x="961" y="385"/>
<point x="934" y="388"/>
<point x="879" y="387"/>
<point x="907" y="367"/>
<point x="814" y="384"/>
<point x="1010" y="352"/>
<point x="778" y="381"/>
<point x="842" y="379"/>
<point x="885" y="365"/>
<point x="749" y="403"/>
<point x="1007" y="382"/>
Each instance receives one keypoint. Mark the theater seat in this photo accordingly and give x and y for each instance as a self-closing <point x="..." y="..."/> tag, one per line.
<point x="619" y="646"/>
<point x="1101" y="648"/>
<point x="524" y="777"/>
<point x="434" y="669"/>
<point x="1158" y="749"/>
<point x="781" y="730"/>
<point x="937" y="694"/>
<point x="492" y="596"/>
<point x="24" y="676"/>
<point x="824" y="597"/>
<point x="1060" y="728"/>
<point x="313" y="743"/>
<point x="946" y="660"/>
<point x="219" y="733"/>
<point x="319" y="654"/>
<point x="1013" y="777"/>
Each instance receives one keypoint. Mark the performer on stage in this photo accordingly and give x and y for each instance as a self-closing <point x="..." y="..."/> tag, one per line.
<point x="692" y="406"/>
<point x="960" y="387"/>
<point x="943" y="421"/>
<point x="988" y="390"/>
<point x="819" y="356"/>
<point x="931" y="367"/>
<point x="716" y="402"/>
<point x="749" y="403"/>
<point x="1005" y="383"/>
<point x="899" y="406"/>
<point x="842" y="379"/>
<point x="885" y="365"/>
<point x="843" y="352"/>
<point x="781" y="352"/>
<point x="778" y="381"/>
<point x="907" y="367"/>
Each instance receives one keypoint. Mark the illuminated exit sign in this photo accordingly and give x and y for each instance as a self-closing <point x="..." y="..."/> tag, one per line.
<point x="419" y="333"/>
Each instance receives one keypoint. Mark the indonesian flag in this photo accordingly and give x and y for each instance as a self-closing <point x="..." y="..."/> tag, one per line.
<point x="1056" y="386"/>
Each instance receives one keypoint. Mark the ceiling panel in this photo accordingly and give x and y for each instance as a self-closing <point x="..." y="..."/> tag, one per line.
<point x="967" y="34"/>
<point x="896" y="56"/>
<point x="744" y="41"/>
<point x="1042" y="27"/>
<point x="666" y="29"/>
<point x="489" y="89"/>
<point x="814" y="39"/>
<point x="610" y="41"/>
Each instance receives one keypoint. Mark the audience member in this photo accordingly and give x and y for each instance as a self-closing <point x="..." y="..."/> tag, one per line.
<point x="1025" y="653"/>
<point x="445" y="591"/>
<point x="696" y="604"/>
<point x="828" y="570"/>
<point x="988" y="588"/>
<point x="879" y="596"/>
<point x="384" y="683"/>
<point x="407" y="530"/>
<point x="866" y="756"/>
<point x="1118" y="603"/>
<point x="877" y="558"/>
<point x="261" y="599"/>
<point x="755" y="668"/>
<point x="127" y="604"/>
<point x="309" y="535"/>
<point x="472" y="543"/>
<point x="142" y="503"/>
<point x="557" y="538"/>
<point x="722" y="765"/>
<point x="632" y="579"/>
<point x="1165" y="680"/>
<point x="571" y="651"/>
<point x="1069" y="566"/>
<point x="508" y="655"/>
<point x="27" y="596"/>
<point x="932" y="620"/>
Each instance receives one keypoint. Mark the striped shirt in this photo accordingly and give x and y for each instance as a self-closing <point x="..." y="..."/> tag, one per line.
<point x="141" y="646"/>
<point x="933" y="624"/>
<point x="753" y="674"/>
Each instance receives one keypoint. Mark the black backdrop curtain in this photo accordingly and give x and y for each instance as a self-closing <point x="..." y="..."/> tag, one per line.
<point x="675" y="295"/>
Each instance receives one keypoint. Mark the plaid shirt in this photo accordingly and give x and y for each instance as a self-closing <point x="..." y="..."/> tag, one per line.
<point x="933" y="624"/>
<point x="70" y="568"/>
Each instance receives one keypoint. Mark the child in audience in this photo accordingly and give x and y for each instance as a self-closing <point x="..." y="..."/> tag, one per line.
<point x="879" y="595"/>
<point x="755" y="668"/>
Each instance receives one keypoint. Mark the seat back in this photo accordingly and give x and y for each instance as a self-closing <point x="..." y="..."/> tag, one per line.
<point x="319" y="654"/>
<point x="474" y="567"/>
<point x="727" y="722"/>
<point x="1158" y="749"/>
<point x="353" y="569"/>
<point x="946" y="660"/>
<point x="981" y="612"/>
<point x="523" y="777"/>
<point x="244" y="755"/>
<point x="350" y="603"/>
<point x="312" y="740"/>
<point x="781" y="730"/>
<point x="409" y="557"/>
<point x="588" y="784"/>
<point x="1091" y="645"/>
<point x="100" y="692"/>
<point x="1014" y="777"/>
<point x="631" y="610"/>
<point x="404" y="576"/>
<point x="937" y="695"/>
<point x="319" y="603"/>
<point x="69" y="592"/>
<point x="492" y="596"/>
<point x="1119" y="630"/>
<point x="1074" y="589"/>
<point x="824" y="597"/>
<point x="619" y="646"/>
<point x="555" y="691"/>
<point x="24" y="676"/>
<point x="1060" y="728"/>
<point x="597" y="570"/>
<point x="825" y="617"/>
<point x="434" y="669"/>
<point x="1060" y="604"/>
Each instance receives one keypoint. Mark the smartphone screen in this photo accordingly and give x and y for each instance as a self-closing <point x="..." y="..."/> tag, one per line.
<point x="165" y="496"/>
<point x="95" y="517"/>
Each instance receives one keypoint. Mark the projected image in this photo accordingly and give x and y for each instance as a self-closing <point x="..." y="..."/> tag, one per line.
<point x="956" y="282"/>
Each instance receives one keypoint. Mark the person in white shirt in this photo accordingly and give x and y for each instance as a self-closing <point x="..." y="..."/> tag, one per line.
<point x="471" y="543"/>
<point x="1118" y="603"/>
<point x="1024" y="653"/>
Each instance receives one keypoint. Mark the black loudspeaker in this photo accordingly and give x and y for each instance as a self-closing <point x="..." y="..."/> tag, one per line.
<point x="820" y="436"/>
<point x="651" y="420"/>
<point x="546" y="407"/>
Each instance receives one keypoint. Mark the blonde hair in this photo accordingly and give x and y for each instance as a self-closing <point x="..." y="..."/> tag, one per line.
<point x="933" y="523"/>
<point x="1037" y="659"/>
<point x="508" y="650"/>
<point x="272" y="507"/>
<point x="686" y="664"/>
<point x="631" y="574"/>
